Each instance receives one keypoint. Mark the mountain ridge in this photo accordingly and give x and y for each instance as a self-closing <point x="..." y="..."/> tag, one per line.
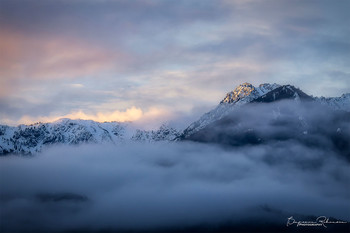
<point x="247" y="93"/>
<point x="30" y="139"/>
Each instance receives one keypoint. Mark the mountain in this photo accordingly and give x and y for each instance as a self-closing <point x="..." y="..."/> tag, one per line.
<point x="164" y="133"/>
<point x="241" y="95"/>
<point x="246" y="93"/>
<point x="29" y="139"/>
<point x="281" y="93"/>
<point x="283" y="117"/>
<point x="338" y="103"/>
<point x="286" y="123"/>
<point x="239" y="119"/>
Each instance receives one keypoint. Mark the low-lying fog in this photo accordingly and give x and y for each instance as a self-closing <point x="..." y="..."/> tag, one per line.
<point x="170" y="186"/>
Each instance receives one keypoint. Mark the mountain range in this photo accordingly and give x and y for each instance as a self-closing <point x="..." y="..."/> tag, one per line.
<point x="29" y="139"/>
<point x="239" y="119"/>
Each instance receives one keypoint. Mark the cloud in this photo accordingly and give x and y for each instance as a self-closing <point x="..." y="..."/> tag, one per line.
<point x="161" y="53"/>
<point x="308" y="123"/>
<point x="46" y="57"/>
<point x="149" y="119"/>
<point x="130" y="114"/>
<point x="171" y="186"/>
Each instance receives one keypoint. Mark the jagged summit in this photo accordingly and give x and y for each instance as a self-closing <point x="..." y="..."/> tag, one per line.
<point x="241" y="95"/>
<point x="239" y="92"/>
<point x="283" y="92"/>
<point x="248" y="90"/>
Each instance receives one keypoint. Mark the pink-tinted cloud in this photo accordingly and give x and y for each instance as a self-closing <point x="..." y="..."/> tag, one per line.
<point x="30" y="57"/>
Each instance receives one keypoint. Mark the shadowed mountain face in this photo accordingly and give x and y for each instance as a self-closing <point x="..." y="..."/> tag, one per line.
<point x="307" y="123"/>
<point x="281" y="93"/>
<point x="265" y="93"/>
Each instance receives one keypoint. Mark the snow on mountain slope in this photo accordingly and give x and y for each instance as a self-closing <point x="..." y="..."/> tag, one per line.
<point x="163" y="133"/>
<point x="283" y="92"/>
<point x="247" y="91"/>
<point x="241" y="95"/>
<point x="265" y="93"/>
<point x="29" y="139"/>
<point x="338" y="103"/>
<point x="288" y="121"/>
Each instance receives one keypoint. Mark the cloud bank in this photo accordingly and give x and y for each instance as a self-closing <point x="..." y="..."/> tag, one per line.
<point x="176" y="186"/>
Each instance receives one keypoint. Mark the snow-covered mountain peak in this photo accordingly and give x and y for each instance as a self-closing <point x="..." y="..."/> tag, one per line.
<point x="266" y="87"/>
<point x="264" y="93"/>
<point x="283" y="92"/>
<point x="239" y="92"/>
<point x="241" y="95"/>
<point x="248" y="90"/>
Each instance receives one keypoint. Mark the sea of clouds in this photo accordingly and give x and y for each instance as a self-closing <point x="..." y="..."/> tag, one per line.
<point x="181" y="185"/>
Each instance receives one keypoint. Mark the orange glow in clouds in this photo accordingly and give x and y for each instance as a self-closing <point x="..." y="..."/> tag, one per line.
<point x="152" y="118"/>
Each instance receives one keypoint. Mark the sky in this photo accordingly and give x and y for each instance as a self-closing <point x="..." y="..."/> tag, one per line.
<point x="152" y="61"/>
